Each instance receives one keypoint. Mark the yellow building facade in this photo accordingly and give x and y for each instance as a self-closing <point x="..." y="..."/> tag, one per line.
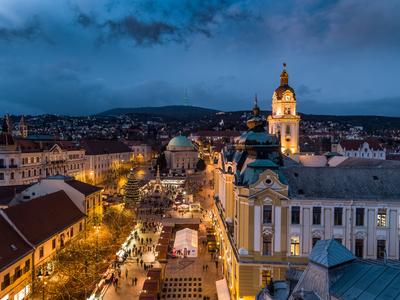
<point x="284" y="120"/>
<point x="250" y="212"/>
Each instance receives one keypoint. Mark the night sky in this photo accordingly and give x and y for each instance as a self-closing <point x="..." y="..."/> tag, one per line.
<point x="83" y="57"/>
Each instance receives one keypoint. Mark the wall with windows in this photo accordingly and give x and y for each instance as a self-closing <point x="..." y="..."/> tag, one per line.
<point x="15" y="279"/>
<point x="369" y="229"/>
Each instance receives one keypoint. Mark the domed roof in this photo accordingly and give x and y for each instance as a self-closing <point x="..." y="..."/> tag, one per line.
<point x="180" y="141"/>
<point x="284" y="84"/>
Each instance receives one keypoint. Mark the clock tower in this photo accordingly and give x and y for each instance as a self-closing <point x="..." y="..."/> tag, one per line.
<point x="284" y="120"/>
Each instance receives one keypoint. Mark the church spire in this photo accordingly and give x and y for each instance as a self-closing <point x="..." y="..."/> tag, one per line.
<point x="256" y="109"/>
<point x="284" y="76"/>
<point x="4" y="128"/>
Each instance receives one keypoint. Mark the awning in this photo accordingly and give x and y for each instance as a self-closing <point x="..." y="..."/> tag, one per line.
<point x="222" y="290"/>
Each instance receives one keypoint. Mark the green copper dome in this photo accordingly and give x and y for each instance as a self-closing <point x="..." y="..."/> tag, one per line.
<point x="180" y="141"/>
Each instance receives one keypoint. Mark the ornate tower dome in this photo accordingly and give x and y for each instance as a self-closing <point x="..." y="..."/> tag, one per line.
<point x="284" y="120"/>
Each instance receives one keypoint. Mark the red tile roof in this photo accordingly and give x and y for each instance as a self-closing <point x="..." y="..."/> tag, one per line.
<point x="356" y="144"/>
<point x="41" y="218"/>
<point x="98" y="147"/>
<point x="12" y="246"/>
<point x="84" y="188"/>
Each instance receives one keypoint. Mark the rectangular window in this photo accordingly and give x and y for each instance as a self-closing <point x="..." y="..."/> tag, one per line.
<point x="359" y="251"/>
<point x="41" y="252"/>
<point x="315" y="240"/>
<point x="53" y="243"/>
<point x="316" y="215"/>
<point x="359" y="216"/>
<point x="295" y="215"/>
<point x="27" y="266"/>
<point x="267" y="214"/>
<point x="72" y="232"/>
<point x="6" y="281"/>
<point x="381" y="249"/>
<point x="338" y="216"/>
<point x="1" y="176"/>
<point x="267" y="245"/>
<point x="295" y="246"/>
<point x="17" y="273"/>
<point x="381" y="218"/>
<point x="80" y="226"/>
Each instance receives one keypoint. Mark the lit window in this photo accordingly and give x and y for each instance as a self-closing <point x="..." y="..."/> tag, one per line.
<point x="295" y="246"/>
<point x="381" y="221"/>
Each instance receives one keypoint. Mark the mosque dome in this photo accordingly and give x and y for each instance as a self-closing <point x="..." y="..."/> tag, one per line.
<point x="180" y="142"/>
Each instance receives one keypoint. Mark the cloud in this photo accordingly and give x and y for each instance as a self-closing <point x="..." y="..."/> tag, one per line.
<point x="157" y="22"/>
<point x="143" y="33"/>
<point x="29" y="31"/>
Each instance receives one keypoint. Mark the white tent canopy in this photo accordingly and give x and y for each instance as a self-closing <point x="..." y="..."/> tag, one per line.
<point x="186" y="242"/>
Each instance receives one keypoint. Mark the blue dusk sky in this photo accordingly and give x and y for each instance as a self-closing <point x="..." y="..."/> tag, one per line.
<point x="83" y="57"/>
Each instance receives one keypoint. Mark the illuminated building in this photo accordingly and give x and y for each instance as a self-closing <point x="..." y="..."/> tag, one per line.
<point x="284" y="120"/>
<point x="270" y="210"/>
<point x="25" y="161"/>
<point x="181" y="156"/>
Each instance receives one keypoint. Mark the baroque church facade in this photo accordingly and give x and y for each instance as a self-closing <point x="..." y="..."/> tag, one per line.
<point x="271" y="210"/>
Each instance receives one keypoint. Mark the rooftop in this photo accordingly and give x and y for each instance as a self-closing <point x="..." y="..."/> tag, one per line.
<point x="12" y="245"/>
<point x="55" y="210"/>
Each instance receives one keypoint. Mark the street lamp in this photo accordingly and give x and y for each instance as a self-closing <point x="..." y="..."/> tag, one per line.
<point x="97" y="228"/>
<point x="44" y="285"/>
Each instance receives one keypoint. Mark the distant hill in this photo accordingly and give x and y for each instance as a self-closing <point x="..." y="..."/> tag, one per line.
<point x="193" y="113"/>
<point x="177" y="112"/>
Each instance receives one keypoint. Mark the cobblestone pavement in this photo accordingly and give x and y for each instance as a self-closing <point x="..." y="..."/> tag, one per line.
<point x="125" y="288"/>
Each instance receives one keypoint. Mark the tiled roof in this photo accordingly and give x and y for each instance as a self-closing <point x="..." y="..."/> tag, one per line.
<point x="84" y="188"/>
<point x="27" y="145"/>
<point x="367" y="183"/>
<point x="354" y="162"/>
<point x="12" y="245"/>
<point x="366" y="280"/>
<point x="329" y="253"/>
<point x="41" y="218"/>
<point x="98" y="147"/>
<point x="8" y="192"/>
<point x="356" y="144"/>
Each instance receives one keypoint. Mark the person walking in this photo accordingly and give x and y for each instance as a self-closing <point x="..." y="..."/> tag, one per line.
<point x="126" y="273"/>
<point x="136" y="280"/>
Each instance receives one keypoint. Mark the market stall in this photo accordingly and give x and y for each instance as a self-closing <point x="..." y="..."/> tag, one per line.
<point x="186" y="243"/>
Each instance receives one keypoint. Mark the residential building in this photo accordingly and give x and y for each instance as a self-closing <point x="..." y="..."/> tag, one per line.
<point x="370" y="148"/>
<point x="87" y="197"/>
<point x="15" y="262"/>
<point x="181" y="155"/>
<point x="29" y="243"/>
<point x="25" y="161"/>
<point x="141" y="152"/>
<point x="103" y="157"/>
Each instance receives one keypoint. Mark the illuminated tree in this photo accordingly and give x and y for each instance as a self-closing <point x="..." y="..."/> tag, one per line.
<point x="132" y="196"/>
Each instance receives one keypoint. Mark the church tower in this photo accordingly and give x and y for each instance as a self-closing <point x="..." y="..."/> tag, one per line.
<point x="23" y="128"/>
<point x="284" y="120"/>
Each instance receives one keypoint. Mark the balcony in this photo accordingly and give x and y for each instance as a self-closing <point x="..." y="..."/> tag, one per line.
<point x="2" y="167"/>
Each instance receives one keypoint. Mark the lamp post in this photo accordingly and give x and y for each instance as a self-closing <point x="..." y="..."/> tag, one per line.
<point x="44" y="286"/>
<point x="97" y="228"/>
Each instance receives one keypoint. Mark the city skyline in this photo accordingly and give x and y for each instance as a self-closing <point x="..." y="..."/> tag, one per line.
<point x="79" y="58"/>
